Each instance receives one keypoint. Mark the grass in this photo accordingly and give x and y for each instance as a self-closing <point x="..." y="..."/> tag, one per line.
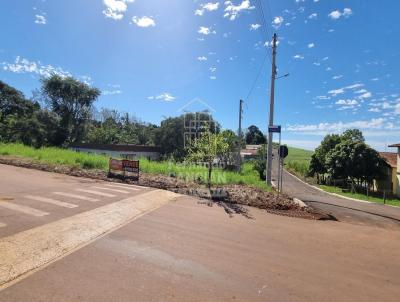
<point x="58" y="156"/>
<point x="360" y="196"/>
<point x="298" y="160"/>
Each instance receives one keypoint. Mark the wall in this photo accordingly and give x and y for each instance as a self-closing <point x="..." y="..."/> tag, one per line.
<point x="123" y="154"/>
<point x="397" y="177"/>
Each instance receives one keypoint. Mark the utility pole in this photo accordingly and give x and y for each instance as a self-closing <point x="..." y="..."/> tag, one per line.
<point x="239" y="161"/>
<point x="271" y="112"/>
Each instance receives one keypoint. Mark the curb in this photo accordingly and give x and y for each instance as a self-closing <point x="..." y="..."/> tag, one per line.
<point x="295" y="200"/>
<point x="338" y="195"/>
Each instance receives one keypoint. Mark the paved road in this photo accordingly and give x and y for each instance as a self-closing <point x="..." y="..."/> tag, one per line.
<point x="177" y="249"/>
<point x="340" y="208"/>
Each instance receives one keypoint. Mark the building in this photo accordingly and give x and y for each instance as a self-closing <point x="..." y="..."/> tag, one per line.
<point x="390" y="182"/>
<point x="120" y="151"/>
<point x="250" y="152"/>
<point x="397" y="178"/>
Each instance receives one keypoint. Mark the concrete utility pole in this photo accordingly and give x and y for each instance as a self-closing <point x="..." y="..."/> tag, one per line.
<point x="240" y="135"/>
<point x="271" y="112"/>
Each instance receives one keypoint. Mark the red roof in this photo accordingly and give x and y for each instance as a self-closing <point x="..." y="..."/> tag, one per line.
<point x="390" y="158"/>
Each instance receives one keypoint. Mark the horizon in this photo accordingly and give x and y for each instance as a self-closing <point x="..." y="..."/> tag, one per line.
<point x="150" y="59"/>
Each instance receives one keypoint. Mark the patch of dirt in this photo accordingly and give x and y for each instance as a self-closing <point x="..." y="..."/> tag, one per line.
<point x="232" y="198"/>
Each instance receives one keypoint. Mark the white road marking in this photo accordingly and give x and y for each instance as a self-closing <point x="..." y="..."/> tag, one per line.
<point x="2" y="225"/>
<point x="130" y="187"/>
<point x="76" y="196"/>
<point x="112" y="190"/>
<point x="22" y="209"/>
<point x="95" y="192"/>
<point x="27" y="251"/>
<point x="52" y="201"/>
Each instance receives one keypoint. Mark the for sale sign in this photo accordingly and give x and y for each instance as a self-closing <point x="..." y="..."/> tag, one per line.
<point x="123" y="168"/>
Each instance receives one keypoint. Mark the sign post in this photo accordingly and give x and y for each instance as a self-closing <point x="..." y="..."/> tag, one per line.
<point x="283" y="153"/>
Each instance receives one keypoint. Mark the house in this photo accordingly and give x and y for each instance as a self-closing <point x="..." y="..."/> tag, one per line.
<point x="120" y="151"/>
<point x="390" y="182"/>
<point x="397" y="174"/>
<point x="249" y="152"/>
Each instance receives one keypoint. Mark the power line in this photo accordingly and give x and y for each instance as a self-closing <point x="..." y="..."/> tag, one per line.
<point x="256" y="79"/>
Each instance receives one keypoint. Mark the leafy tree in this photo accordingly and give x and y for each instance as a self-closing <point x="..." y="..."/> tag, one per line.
<point x="254" y="136"/>
<point x="231" y="156"/>
<point x="206" y="149"/>
<point x="72" y="101"/>
<point x="170" y="136"/>
<point x="260" y="164"/>
<point x="318" y="159"/>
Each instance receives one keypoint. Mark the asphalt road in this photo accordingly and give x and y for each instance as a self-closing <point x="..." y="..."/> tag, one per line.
<point x="342" y="209"/>
<point x="146" y="245"/>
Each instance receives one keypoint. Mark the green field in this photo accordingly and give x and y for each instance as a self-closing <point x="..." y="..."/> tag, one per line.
<point x="389" y="201"/>
<point x="57" y="156"/>
<point x="298" y="160"/>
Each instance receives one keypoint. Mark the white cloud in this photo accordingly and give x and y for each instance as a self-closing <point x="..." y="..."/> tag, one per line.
<point x="277" y="22"/>
<point x="206" y="31"/>
<point x="254" y="26"/>
<point x="336" y="14"/>
<point x="338" y="127"/>
<point x="365" y="95"/>
<point x="313" y="16"/>
<point x="337" y="77"/>
<point x="397" y="109"/>
<point x="111" y="92"/>
<point x="213" y="77"/>
<point x="40" y="19"/>
<point x="144" y="21"/>
<point x="347" y="102"/>
<point x="213" y="69"/>
<point x="311" y="45"/>
<point x="202" y="58"/>
<point x="22" y="65"/>
<point x="335" y="92"/>
<point x="206" y="7"/>
<point x="298" y="57"/>
<point x="232" y="11"/>
<point x="167" y="97"/>
<point x="115" y="9"/>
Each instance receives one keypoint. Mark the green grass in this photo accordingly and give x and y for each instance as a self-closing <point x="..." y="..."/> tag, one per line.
<point x="58" y="156"/>
<point x="298" y="160"/>
<point x="389" y="201"/>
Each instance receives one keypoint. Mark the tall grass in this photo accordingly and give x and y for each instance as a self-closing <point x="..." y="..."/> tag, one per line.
<point x="58" y="156"/>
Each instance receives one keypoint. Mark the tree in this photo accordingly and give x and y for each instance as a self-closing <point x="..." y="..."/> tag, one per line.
<point x="355" y="160"/>
<point x="254" y="136"/>
<point x="206" y="149"/>
<point x="230" y="157"/>
<point x="170" y="136"/>
<point x="260" y="165"/>
<point x="318" y="159"/>
<point x="72" y="101"/>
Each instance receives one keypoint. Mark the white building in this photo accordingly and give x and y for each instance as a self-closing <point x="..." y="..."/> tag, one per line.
<point x="120" y="151"/>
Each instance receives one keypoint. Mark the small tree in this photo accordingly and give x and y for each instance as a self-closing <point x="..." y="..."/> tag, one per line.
<point x="206" y="149"/>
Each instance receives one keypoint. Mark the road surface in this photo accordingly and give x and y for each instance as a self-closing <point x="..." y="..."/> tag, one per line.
<point x="147" y="245"/>
<point x="340" y="208"/>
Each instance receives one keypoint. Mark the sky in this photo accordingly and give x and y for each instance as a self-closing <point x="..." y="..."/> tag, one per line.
<point x="159" y="58"/>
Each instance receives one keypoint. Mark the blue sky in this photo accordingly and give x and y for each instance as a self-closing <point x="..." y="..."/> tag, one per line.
<point x="151" y="57"/>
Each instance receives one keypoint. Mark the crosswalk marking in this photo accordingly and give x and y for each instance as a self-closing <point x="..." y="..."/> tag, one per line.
<point x="52" y="201"/>
<point x="2" y="225"/>
<point x="95" y="192"/>
<point x="76" y="196"/>
<point x="112" y="190"/>
<point x="22" y="209"/>
<point x="128" y="187"/>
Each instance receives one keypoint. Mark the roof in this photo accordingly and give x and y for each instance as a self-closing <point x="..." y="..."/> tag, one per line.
<point x="395" y="145"/>
<point x="251" y="152"/>
<point x="390" y="158"/>
<point x="117" y="147"/>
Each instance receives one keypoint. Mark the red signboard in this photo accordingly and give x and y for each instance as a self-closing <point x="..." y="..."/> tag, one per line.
<point x="124" y="168"/>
